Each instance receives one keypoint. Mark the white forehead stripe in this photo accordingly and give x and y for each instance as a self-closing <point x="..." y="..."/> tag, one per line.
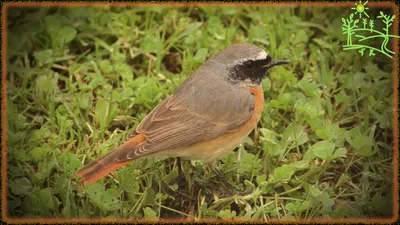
<point x="261" y="55"/>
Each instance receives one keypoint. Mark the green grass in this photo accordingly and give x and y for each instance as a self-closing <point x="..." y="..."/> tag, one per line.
<point x="80" y="79"/>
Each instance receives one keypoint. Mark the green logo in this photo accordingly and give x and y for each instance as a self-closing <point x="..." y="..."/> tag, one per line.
<point x="365" y="31"/>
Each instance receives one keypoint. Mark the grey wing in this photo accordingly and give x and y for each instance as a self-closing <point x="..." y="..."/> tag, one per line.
<point x="192" y="115"/>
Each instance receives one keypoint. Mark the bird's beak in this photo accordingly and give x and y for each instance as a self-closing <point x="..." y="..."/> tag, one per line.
<point x="276" y="62"/>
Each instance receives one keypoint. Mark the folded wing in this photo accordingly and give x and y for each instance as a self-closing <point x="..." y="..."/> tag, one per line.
<point x="192" y="115"/>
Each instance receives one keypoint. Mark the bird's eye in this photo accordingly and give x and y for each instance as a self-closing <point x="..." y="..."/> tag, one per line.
<point x="249" y="64"/>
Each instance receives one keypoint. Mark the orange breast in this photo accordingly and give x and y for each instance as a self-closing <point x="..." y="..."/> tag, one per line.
<point x="209" y="151"/>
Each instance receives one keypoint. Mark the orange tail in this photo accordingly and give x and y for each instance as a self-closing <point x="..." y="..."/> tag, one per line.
<point x="106" y="164"/>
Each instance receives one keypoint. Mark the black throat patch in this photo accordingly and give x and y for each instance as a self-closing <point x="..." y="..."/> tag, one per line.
<point x="255" y="70"/>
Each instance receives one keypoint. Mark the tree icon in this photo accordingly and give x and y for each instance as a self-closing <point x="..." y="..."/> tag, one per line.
<point x="371" y="25"/>
<point x="364" y="22"/>
<point x="353" y="31"/>
<point x="348" y="26"/>
<point x="388" y="21"/>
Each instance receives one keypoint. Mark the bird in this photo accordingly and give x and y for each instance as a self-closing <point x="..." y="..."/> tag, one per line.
<point x="206" y="117"/>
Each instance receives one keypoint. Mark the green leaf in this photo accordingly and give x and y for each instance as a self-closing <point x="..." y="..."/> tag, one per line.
<point x="248" y="212"/>
<point x="294" y="135"/>
<point x="65" y="35"/>
<point x="44" y="56"/>
<point x="351" y="134"/>
<point x="268" y="136"/>
<point x="66" y="211"/>
<point x="327" y="201"/>
<point x="101" y="113"/>
<point x="261" y="178"/>
<point x="127" y="180"/>
<point x="53" y="25"/>
<point x="60" y="186"/>
<point x="299" y="51"/>
<point x="16" y="43"/>
<point x="105" y="66"/>
<point x="226" y="214"/>
<point x="192" y="27"/>
<point x="248" y="141"/>
<point x="283" y="101"/>
<point x="84" y="100"/>
<point x="343" y="210"/>
<point x="124" y="70"/>
<point x="284" y="172"/>
<point x="95" y="193"/>
<point x="270" y="143"/>
<point x="44" y="84"/>
<point x="323" y="149"/>
<point x="149" y="213"/>
<point x="231" y="32"/>
<point x="343" y="97"/>
<point x="70" y="163"/>
<point x="46" y="199"/>
<point x="314" y="191"/>
<point x="249" y="163"/>
<point x="330" y="131"/>
<point x="229" y="11"/>
<point x="110" y="200"/>
<point x="39" y="153"/>
<point x="363" y="145"/>
<point x="151" y="43"/>
<point x="257" y="32"/>
<point x="339" y="153"/>
<point x="310" y="89"/>
<point x="201" y="55"/>
<point x="302" y="37"/>
<point x="298" y="207"/>
<point x="31" y="204"/>
<point x="20" y="186"/>
<point x="20" y="155"/>
<point x="382" y="205"/>
<point x="303" y="164"/>
<point x="215" y="28"/>
<point x="147" y="92"/>
<point x="126" y="93"/>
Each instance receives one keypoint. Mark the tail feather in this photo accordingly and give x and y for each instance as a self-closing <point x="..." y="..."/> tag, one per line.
<point x="107" y="163"/>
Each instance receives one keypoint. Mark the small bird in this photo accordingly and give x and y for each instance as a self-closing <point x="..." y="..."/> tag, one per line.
<point x="206" y="117"/>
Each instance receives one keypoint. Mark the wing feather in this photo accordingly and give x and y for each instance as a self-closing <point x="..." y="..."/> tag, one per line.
<point x="191" y="115"/>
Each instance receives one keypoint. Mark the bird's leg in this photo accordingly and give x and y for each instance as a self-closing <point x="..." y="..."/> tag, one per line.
<point x="179" y="165"/>
<point x="181" y="175"/>
<point x="221" y="177"/>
